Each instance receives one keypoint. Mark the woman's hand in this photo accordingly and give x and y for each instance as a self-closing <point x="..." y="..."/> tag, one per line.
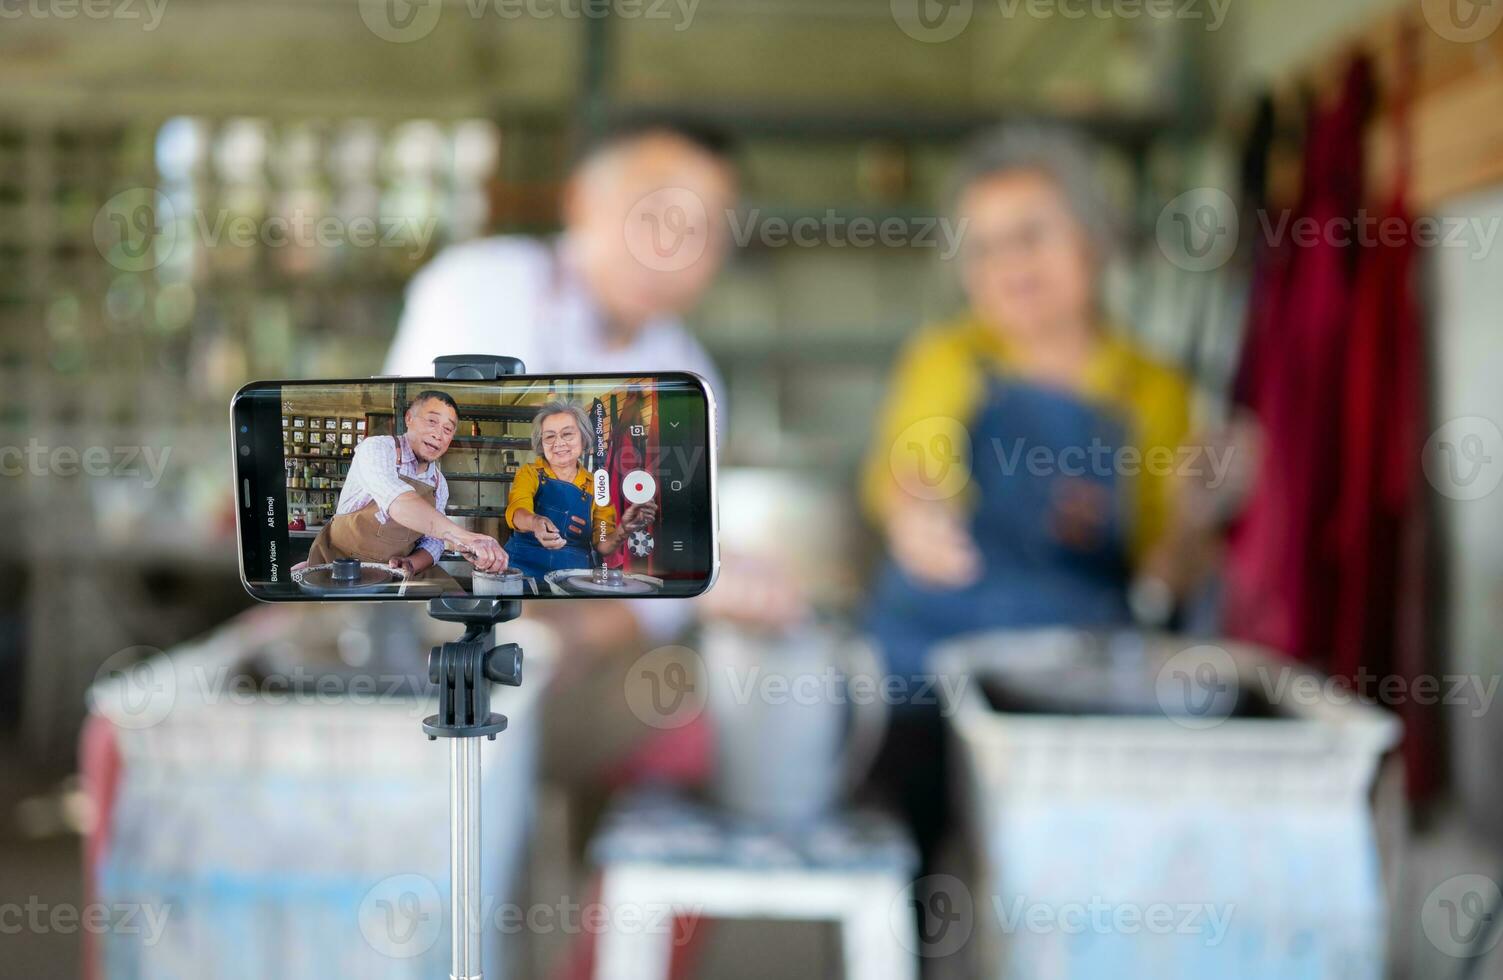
<point x="547" y="533"/>
<point x="636" y="516"/>
<point x="639" y="516"/>
<point x="929" y="542"/>
<point x="480" y="550"/>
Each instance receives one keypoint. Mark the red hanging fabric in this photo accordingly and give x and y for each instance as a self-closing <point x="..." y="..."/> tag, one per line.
<point x="1326" y="562"/>
<point x="1379" y="609"/>
<point x="624" y="458"/>
<point x="1282" y="556"/>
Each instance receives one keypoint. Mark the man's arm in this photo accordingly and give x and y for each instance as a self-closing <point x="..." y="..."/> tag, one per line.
<point x="416" y="514"/>
<point x="433" y="546"/>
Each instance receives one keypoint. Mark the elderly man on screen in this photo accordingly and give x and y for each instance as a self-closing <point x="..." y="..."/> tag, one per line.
<point x="391" y="509"/>
<point x="552" y="509"/>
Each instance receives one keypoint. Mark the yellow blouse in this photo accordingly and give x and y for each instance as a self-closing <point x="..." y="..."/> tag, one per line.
<point x="942" y="374"/>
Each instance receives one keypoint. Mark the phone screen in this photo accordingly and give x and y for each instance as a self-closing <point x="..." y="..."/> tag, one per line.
<point x="533" y="487"/>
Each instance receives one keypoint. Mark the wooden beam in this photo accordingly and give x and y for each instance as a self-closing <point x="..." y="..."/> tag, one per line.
<point x="1456" y="95"/>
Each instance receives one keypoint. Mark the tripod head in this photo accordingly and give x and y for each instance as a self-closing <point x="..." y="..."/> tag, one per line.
<point x="464" y="669"/>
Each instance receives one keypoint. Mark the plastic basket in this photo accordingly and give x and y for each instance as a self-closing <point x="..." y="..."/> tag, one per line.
<point x="1265" y="819"/>
<point x="300" y="834"/>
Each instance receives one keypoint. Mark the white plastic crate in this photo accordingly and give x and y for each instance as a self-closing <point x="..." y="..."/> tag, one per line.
<point x="301" y="836"/>
<point x="1264" y="820"/>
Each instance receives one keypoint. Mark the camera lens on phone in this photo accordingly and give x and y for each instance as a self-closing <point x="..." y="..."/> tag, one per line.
<point x="245" y="450"/>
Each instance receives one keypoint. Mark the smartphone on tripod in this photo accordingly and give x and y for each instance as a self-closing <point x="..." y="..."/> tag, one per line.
<point x="534" y="487"/>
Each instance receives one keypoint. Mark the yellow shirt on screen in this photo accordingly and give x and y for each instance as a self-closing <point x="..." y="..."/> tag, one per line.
<point x="524" y="489"/>
<point x="943" y="374"/>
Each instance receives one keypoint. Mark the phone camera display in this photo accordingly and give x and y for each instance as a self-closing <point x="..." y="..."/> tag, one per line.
<point x="550" y="487"/>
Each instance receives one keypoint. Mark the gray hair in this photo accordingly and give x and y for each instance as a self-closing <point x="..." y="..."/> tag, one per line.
<point x="1064" y="156"/>
<point x="560" y="407"/>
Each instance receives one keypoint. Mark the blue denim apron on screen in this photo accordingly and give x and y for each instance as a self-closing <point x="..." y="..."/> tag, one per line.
<point x="561" y="502"/>
<point x="1031" y="577"/>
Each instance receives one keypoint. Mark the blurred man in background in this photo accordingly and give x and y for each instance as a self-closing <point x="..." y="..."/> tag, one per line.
<point x="645" y="233"/>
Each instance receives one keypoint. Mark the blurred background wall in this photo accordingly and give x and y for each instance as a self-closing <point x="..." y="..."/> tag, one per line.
<point x="460" y="127"/>
<point x="458" y="124"/>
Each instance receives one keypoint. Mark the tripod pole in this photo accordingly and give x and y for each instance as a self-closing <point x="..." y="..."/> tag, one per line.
<point x="464" y="856"/>
<point x="464" y="671"/>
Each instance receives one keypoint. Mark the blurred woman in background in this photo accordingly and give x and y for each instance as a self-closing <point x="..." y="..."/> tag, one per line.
<point x="1019" y="471"/>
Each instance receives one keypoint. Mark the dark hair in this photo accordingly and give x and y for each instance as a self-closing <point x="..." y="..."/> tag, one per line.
<point x="705" y="137"/>
<point x="435" y="395"/>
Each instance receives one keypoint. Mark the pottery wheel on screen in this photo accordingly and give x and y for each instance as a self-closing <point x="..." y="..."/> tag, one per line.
<point x="346" y="576"/>
<point x="582" y="581"/>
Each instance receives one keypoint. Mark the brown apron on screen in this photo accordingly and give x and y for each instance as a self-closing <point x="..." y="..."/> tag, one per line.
<point x="361" y="535"/>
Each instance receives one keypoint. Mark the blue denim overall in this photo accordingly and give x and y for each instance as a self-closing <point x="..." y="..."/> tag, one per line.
<point x="1032" y="575"/>
<point x="566" y="505"/>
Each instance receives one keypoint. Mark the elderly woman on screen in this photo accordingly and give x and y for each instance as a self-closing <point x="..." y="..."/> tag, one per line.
<point x="552" y="510"/>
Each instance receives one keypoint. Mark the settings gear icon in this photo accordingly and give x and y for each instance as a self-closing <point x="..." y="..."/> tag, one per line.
<point x="640" y="543"/>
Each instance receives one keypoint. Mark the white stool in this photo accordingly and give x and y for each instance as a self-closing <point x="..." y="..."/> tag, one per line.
<point x="662" y="858"/>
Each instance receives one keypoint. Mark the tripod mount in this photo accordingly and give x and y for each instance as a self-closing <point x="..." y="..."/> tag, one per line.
<point x="464" y="670"/>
